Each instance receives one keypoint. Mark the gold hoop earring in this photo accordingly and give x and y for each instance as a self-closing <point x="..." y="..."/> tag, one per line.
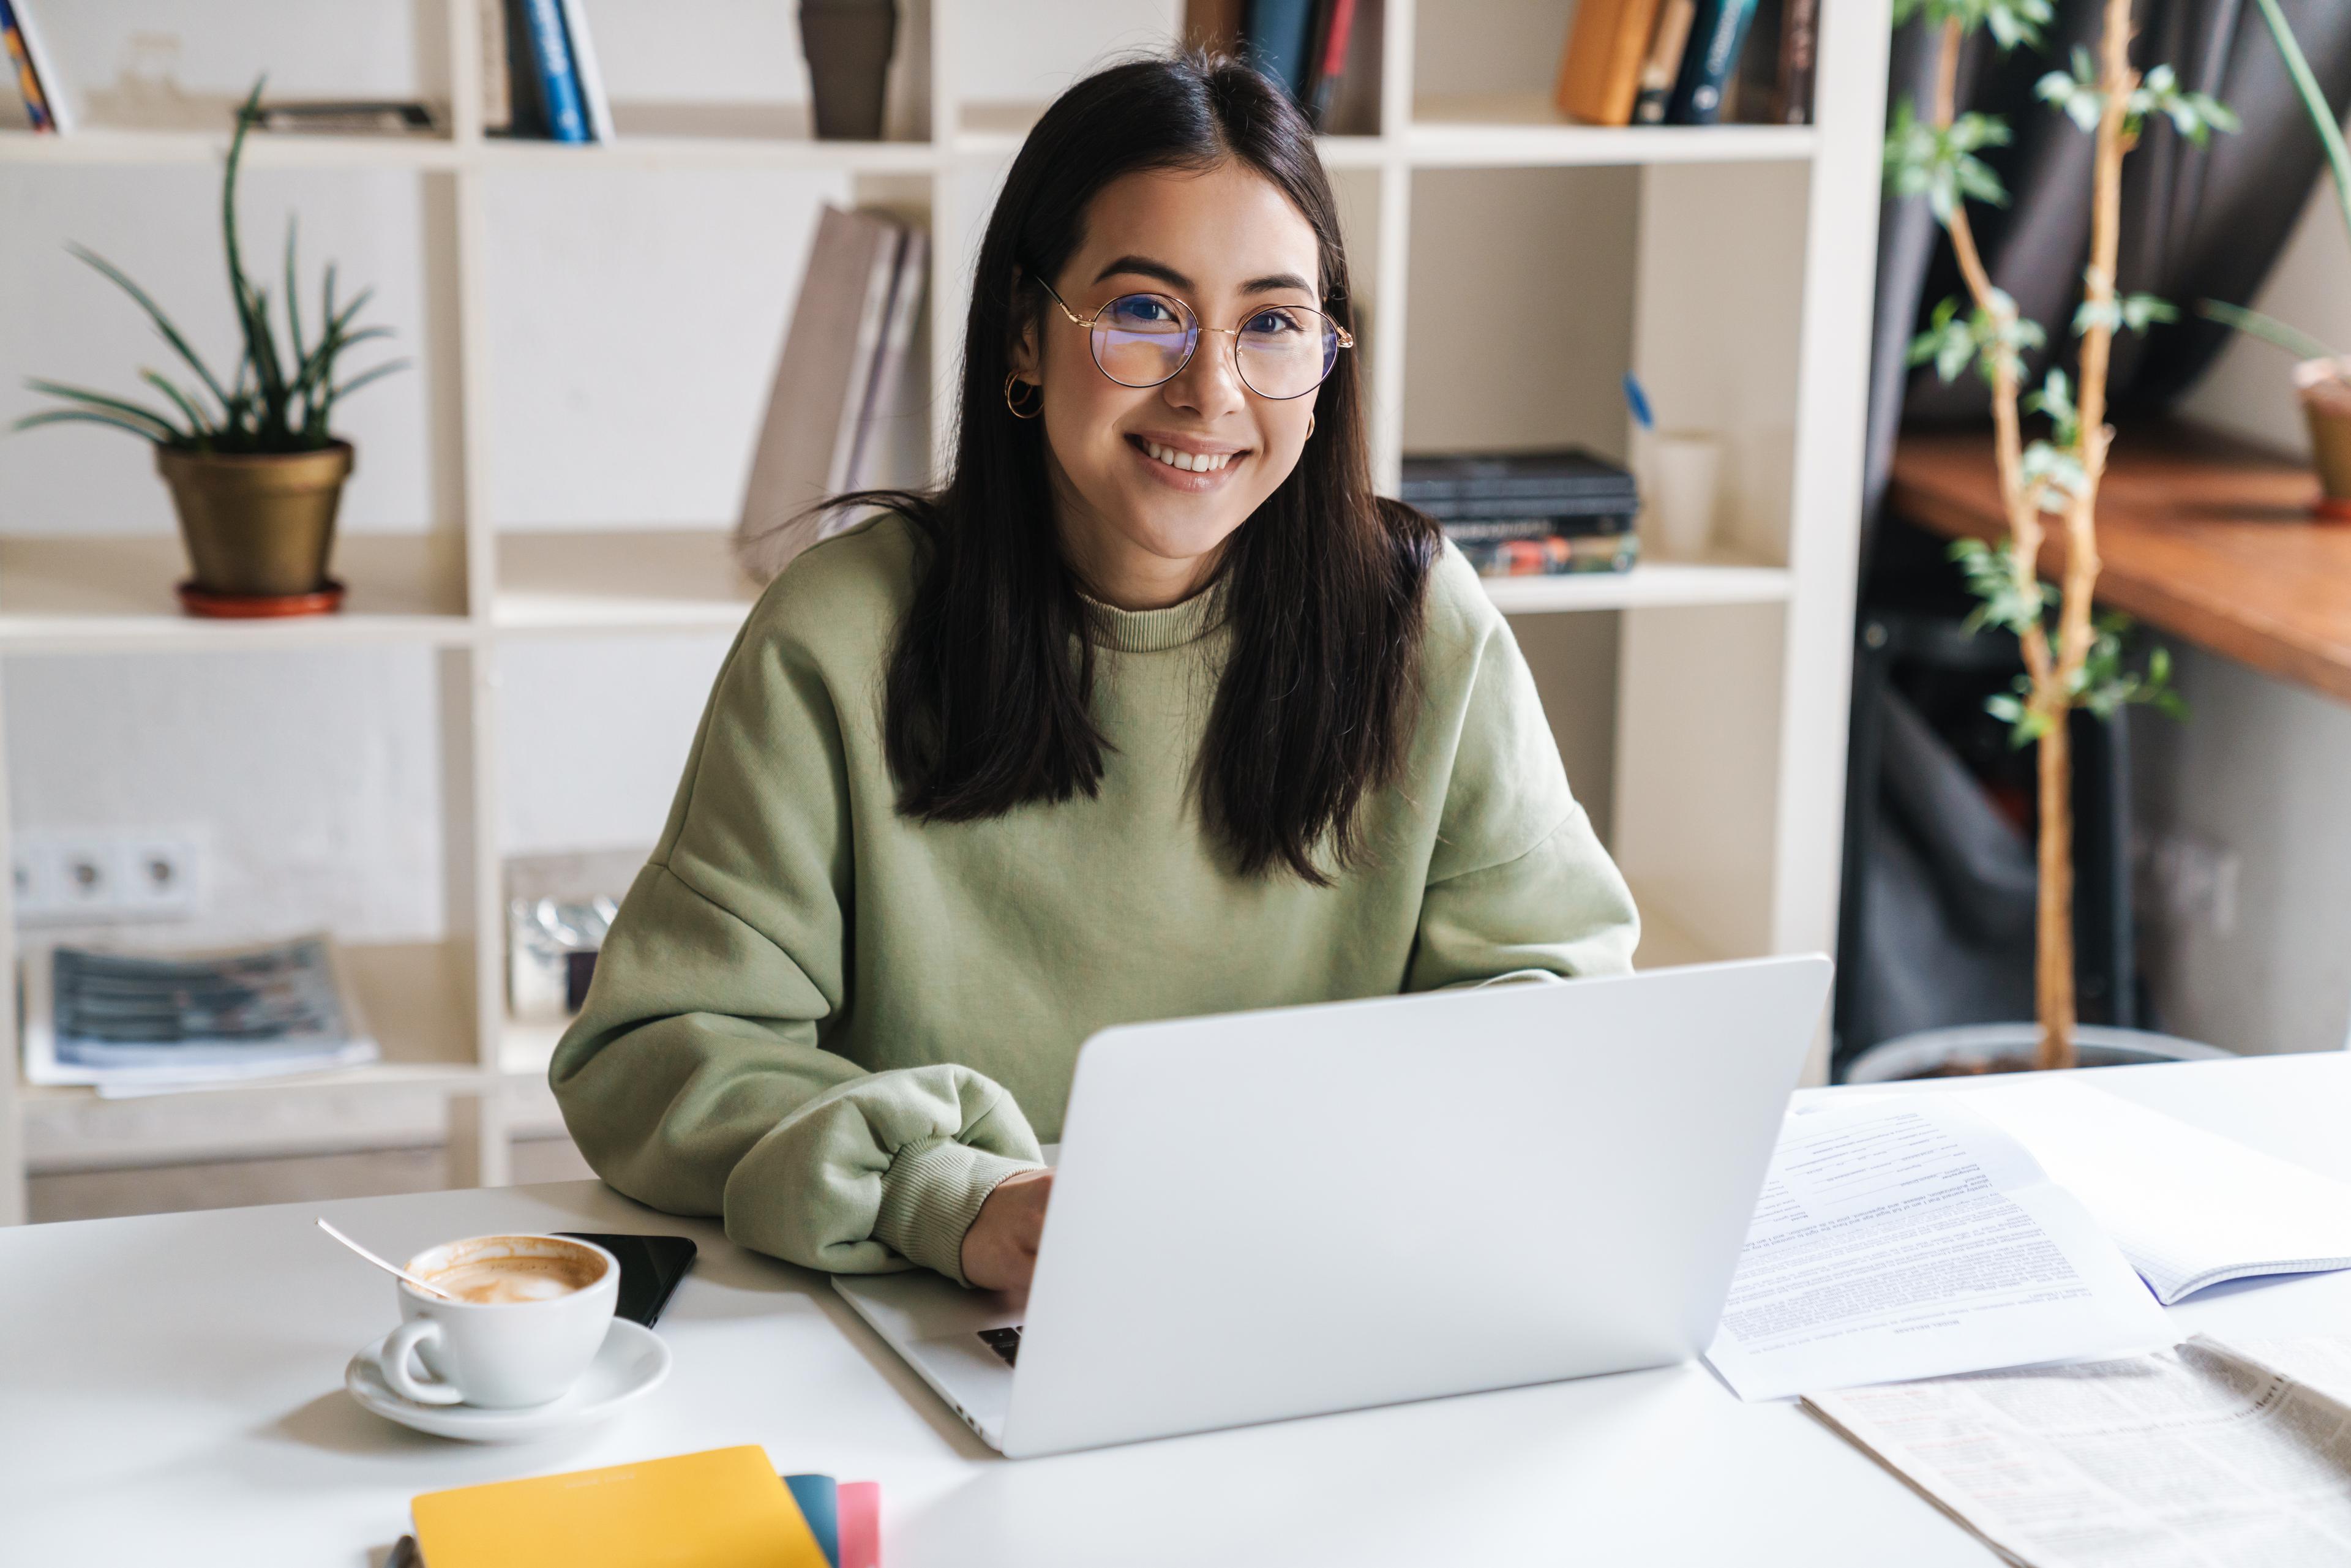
<point x="1310" y="426"/>
<point x="1033" y="406"/>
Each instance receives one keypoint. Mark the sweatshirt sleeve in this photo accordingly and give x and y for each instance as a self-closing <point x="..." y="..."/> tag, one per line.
<point x="1519" y="886"/>
<point x="695" y="1079"/>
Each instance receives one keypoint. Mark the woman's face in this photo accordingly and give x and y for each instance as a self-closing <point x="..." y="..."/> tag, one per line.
<point x="1140" y="531"/>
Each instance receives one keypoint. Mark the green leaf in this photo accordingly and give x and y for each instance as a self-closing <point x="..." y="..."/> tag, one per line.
<point x="115" y="405"/>
<point x="170" y="334"/>
<point x="2269" y="330"/>
<point x="87" y="416"/>
<point x="199" y="428"/>
<point x="366" y="376"/>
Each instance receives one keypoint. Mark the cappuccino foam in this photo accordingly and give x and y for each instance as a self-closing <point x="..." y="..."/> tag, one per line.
<point x="497" y="1280"/>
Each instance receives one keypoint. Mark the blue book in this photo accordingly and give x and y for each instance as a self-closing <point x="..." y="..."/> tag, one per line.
<point x="1279" y="33"/>
<point x="1716" y="39"/>
<point x="559" y="88"/>
<point x="819" y="1504"/>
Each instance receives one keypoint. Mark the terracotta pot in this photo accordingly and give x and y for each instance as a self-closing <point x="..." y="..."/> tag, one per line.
<point x="2325" y="389"/>
<point x="258" y="526"/>
<point x="1970" y="1049"/>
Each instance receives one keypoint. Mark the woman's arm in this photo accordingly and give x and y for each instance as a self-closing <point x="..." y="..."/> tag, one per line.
<point x="694" y="1079"/>
<point x="1519" y="885"/>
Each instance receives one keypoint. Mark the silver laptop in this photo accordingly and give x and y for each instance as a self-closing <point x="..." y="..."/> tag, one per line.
<point x="1274" y="1213"/>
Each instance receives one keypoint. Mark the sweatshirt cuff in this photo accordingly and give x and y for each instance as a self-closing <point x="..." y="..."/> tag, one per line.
<point x="931" y="1193"/>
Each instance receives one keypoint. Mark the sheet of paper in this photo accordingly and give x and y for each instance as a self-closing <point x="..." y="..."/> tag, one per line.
<point x="2189" y="1208"/>
<point x="2192" y="1457"/>
<point x="1906" y="1236"/>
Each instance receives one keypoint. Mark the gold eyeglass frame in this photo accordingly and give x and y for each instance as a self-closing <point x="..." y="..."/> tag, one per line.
<point x="1346" y="339"/>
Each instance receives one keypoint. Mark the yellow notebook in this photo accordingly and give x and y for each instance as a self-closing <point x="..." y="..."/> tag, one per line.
<point x="725" y="1507"/>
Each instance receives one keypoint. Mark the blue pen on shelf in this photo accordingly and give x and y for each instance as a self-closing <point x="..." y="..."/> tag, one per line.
<point x="1637" y="401"/>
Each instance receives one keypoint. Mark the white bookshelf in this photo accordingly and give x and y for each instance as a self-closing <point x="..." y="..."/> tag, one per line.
<point x="1750" y="261"/>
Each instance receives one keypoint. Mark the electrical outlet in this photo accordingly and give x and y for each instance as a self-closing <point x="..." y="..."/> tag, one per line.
<point x="103" y="876"/>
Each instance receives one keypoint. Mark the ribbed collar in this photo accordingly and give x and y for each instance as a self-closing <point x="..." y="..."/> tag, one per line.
<point x="1156" y="631"/>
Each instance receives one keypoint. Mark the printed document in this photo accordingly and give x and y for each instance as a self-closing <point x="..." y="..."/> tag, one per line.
<point x="2207" y="1455"/>
<point x="1906" y="1237"/>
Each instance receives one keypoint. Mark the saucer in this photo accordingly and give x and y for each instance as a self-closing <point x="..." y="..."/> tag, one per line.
<point x="629" y="1365"/>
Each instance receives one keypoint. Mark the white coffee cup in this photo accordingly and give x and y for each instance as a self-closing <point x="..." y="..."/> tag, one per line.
<point x="501" y="1354"/>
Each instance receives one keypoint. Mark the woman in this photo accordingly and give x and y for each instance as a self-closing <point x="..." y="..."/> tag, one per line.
<point x="1152" y="710"/>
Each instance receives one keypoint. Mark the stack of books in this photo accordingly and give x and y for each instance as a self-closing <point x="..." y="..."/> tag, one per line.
<point x="1302" y="44"/>
<point x="1520" y="513"/>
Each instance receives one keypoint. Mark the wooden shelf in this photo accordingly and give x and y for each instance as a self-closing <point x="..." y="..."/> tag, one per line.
<point x="99" y="594"/>
<point x="652" y="135"/>
<point x="416" y="999"/>
<point x="1521" y="129"/>
<point x="2201" y="537"/>
<point x="198" y="131"/>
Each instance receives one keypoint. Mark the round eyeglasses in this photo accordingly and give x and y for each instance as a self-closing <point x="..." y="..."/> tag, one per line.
<point x="1281" y="352"/>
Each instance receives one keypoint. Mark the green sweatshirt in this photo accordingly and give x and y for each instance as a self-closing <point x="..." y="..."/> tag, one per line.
<point x="840" y="1027"/>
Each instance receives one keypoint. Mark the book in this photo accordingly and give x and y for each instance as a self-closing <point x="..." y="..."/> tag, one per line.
<point x="551" y="55"/>
<point x="808" y="448"/>
<point x="1752" y="94"/>
<point x="1551" y="555"/>
<point x="1717" y="33"/>
<point x="1792" y="104"/>
<point x="1481" y="529"/>
<point x="585" y="73"/>
<point x="1334" y="28"/>
<point x="2189" y="1208"/>
<point x="1213" y="25"/>
<point x="1664" y="65"/>
<point x="819" y="1501"/>
<point x="357" y="117"/>
<point x="130" y="1023"/>
<point x="2207" y="1452"/>
<point x="38" y="76"/>
<point x="527" y="119"/>
<point x="1563" y="473"/>
<point x="720" y="1509"/>
<point x="497" y="89"/>
<point x="904" y="308"/>
<point x="1600" y="70"/>
<point x="1278" y="35"/>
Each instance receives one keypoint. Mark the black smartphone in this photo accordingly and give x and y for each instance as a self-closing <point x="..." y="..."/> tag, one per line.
<point x="651" y="1267"/>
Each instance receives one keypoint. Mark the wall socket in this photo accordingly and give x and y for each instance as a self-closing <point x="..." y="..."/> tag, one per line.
<point x="109" y="875"/>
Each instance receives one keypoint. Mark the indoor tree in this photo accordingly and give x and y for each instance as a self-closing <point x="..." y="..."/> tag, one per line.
<point x="2073" y="655"/>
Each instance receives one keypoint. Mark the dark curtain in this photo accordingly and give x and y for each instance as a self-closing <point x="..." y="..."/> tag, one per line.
<point x="1926" y="855"/>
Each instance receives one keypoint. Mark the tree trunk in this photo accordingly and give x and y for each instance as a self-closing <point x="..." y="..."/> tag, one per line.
<point x="2052" y="975"/>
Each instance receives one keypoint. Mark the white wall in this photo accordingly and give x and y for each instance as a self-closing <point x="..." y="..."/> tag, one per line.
<point x="2261" y="768"/>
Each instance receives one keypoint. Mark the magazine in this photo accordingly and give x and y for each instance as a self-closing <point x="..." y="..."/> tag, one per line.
<point x="128" y="1023"/>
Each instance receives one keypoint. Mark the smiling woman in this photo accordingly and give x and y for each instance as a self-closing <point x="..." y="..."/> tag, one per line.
<point x="1152" y="710"/>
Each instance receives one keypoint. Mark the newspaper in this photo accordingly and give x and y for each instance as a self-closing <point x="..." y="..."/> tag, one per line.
<point x="2198" y="1457"/>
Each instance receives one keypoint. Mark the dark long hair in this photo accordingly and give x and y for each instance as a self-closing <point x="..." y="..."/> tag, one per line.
<point x="990" y="688"/>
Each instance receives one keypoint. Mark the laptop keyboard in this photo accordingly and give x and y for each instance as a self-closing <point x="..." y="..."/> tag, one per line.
<point x="1005" y="1342"/>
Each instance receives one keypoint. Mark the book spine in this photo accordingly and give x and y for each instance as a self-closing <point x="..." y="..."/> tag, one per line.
<point x="593" y="102"/>
<point x="497" y="90"/>
<point x="1279" y="33"/>
<point x="1657" y="77"/>
<point x="1339" y="31"/>
<point x="1799" y="41"/>
<point x="28" y="81"/>
<point x="1707" y="63"/>
<point x="558" y="89"/>
<point x="40" y="67"/>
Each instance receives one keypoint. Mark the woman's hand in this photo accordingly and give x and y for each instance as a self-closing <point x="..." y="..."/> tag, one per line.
<point x="1000" y="1251"/>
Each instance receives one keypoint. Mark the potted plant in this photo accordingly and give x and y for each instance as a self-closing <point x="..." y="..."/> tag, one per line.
<point x="2073" y="658"/>
<point x="254" y="468"/>
<point x="2324" y="376"/>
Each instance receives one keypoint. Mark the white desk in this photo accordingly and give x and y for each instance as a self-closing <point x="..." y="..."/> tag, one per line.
<point x="170" y="1392"/>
